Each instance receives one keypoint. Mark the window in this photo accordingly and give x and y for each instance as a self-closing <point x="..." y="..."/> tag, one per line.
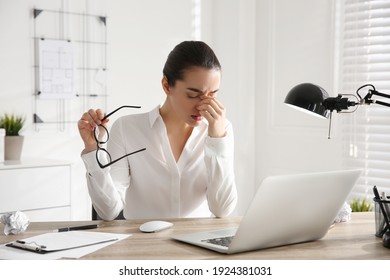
<point x="365" y="59"/>
<point x="196" y="19"/>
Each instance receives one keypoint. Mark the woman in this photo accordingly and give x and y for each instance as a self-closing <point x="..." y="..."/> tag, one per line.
<point x="189" y="147"/>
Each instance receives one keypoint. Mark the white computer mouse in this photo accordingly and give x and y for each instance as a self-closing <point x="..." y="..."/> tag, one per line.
<point x="154" y="226"/>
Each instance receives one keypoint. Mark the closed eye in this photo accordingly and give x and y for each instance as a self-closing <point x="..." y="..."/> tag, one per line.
<point x="195" y="93"/>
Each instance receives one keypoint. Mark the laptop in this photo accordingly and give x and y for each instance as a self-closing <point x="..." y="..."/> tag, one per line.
<point x="285" y="210"/>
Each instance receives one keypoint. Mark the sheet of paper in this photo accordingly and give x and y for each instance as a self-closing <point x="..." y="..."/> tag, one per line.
<point x="57" y="71"/>
<point x="61" y="240"/>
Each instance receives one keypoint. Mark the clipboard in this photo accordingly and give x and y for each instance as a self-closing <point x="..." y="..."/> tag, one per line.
<point x="61" y="241"/>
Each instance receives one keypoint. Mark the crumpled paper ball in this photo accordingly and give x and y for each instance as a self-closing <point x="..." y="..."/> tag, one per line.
<point x="344" y="214"/>
<point x="15" y="223"/>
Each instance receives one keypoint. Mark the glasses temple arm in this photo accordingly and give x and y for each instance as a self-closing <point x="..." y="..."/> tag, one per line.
<point x="122" y="157"/>
<point x="116" y="110"/>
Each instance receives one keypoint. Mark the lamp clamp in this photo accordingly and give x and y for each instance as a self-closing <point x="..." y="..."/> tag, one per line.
<point x="338" y="103"/>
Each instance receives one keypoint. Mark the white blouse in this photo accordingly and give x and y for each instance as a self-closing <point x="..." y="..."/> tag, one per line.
<point x="151" y="184"/>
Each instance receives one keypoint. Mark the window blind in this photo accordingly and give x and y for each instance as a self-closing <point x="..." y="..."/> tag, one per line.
<point x="196" y="19"/>
<point x="365" y="59"/>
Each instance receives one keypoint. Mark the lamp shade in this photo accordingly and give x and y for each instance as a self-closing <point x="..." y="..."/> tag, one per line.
<point x="308" y="98"/>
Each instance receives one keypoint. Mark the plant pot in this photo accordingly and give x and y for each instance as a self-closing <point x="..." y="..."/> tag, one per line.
<point x="13" y="147"/>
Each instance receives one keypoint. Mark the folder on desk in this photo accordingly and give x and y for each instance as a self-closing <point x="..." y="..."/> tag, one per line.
<point x="61" y="241"/>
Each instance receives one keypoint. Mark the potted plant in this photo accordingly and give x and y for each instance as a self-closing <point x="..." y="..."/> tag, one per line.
<point x="13" y="142"/>
<point x="361" y="205"/>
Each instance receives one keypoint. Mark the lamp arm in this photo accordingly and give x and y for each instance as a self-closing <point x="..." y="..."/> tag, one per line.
<point x="371" y="92"/>
<point x="381" y="103"/>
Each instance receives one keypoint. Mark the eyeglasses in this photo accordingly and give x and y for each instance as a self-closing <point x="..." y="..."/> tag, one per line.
<point x="102" y="135"/>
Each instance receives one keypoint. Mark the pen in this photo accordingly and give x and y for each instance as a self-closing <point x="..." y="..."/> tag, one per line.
<point x="76" y="228"/>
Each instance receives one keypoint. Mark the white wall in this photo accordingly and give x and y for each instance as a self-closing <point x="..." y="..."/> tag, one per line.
<point x="297" y="46"/>
<point x="265" y="48"/>
<point x="140" y="35"/>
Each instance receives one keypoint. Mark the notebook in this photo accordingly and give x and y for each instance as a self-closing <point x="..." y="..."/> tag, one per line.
<point x="285" y="210"/>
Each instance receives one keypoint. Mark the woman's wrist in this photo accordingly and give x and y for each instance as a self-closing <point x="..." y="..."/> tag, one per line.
<point x="88" y="150"/>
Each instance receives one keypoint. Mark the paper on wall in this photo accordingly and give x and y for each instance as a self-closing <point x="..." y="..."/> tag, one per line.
<point x="57" y="71"/>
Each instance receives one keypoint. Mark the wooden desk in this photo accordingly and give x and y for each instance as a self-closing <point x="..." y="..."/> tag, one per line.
<point x="350" y="240"/>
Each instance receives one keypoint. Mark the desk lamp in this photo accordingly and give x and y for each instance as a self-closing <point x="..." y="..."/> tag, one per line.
<point x="313" y="99"/>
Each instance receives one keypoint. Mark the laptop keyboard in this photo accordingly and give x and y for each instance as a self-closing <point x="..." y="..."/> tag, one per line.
<point x="221" y="241"/>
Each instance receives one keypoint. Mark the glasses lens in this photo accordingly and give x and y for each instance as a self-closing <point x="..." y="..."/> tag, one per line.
<point x="101" y="134"/>
<point x="103" y="157"/>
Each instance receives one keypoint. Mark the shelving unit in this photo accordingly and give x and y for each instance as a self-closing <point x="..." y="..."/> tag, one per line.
<point x="41" y="198"/>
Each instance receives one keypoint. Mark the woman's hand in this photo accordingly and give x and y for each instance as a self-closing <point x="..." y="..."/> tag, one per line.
<point x="214" y="112"/>
<point x="86" y="125"/>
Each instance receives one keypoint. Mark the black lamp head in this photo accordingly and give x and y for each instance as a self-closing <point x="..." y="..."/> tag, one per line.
<point x="308" y="98"/>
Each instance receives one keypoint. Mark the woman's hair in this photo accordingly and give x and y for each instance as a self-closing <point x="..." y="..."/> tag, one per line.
<point x="186" y="55"/>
